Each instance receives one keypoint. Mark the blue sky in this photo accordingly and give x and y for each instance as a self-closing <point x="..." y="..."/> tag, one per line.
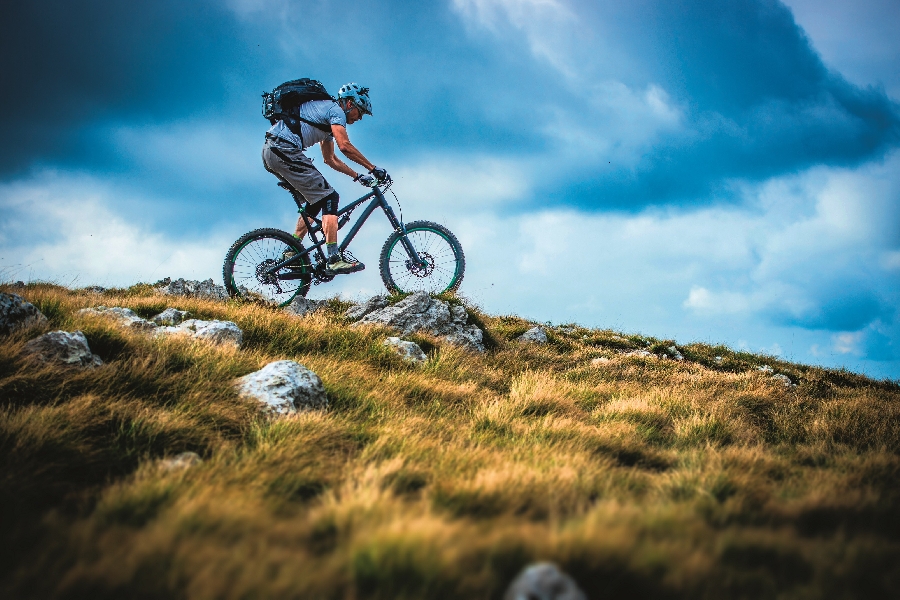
<point x="705" y="171"/>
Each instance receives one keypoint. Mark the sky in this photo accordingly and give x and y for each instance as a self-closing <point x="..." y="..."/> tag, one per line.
<point x="719" y="171"/>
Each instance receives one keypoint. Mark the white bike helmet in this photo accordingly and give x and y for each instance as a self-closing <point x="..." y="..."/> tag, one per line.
<point x="359" y="95"/>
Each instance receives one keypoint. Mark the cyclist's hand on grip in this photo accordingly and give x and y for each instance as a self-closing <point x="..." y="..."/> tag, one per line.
<point x="366" y="180"/>
<point x="381" y="175"/>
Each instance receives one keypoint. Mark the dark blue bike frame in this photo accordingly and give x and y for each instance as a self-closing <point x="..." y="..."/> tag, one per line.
<point x="314" y="226"/>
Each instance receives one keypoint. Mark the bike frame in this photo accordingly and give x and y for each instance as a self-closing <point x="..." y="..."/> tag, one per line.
<point x="314" y="228"/>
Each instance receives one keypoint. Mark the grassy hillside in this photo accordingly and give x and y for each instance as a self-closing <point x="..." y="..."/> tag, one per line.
<point x="640" y="477"/>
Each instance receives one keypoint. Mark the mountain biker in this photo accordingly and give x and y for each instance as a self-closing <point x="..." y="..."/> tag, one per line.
<point x="283" y="155"/>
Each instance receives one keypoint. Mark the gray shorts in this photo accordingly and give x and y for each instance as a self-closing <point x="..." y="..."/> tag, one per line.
<point x="290" y="163"/>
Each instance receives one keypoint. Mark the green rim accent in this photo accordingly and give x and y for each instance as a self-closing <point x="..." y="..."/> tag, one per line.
<point x="443" y="237"/>
<point x="234" y="285"/>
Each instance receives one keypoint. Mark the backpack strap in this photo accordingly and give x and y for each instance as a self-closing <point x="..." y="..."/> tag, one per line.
<point x="319" y="126"/>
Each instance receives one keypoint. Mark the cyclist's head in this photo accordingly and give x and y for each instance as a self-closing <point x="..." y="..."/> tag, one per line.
<point x="352" y="95"/>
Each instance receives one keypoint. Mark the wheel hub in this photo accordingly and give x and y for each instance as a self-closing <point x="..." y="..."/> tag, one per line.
<point x="421" y="270"/>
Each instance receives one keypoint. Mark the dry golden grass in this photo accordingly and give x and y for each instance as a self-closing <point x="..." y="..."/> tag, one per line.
<point x="641" y="477"/>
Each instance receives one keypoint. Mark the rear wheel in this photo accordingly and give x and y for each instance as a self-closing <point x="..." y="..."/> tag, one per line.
<point x="443" y="260"/>
<point x="246" y="270"/>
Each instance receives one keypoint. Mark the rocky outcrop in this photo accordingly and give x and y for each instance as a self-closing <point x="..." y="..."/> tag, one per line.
<point x="535" y="335"/>
<point x="301" y="306"/>
<point x="358" y="311"/>
<point x="206" y="290"/>
<point x="217" y="332"/>
<point x="122" y="316"/>
<point x="408" y="351"/>
<point x="284" y="387"/>
<point x="222" y="333"/>
<point x="421" y="312"/>
<point x="17" y="313"/>
<point x="171" y="317"/>
<point x="543" y="581"/>
<point x="64" y="348"/>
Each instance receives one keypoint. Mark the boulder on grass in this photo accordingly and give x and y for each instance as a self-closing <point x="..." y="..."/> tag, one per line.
<point x="122" y="316"/>
<point x="358" y="311"/>
<point x="284" y="387"/>
<point x="301" y="306"/>
<point x="64" y="348"/>
<point x="535" y="335"/>
<point x="171" y="317"/>
<point x="181" y="462"/>
<point x="421" y="312"/>
<point x="543" y="581"/>
<point x="408" y="351"/>
<point x="17" y="313"/>
<point x="224" y="333"/>
<point x="206" y="290"/>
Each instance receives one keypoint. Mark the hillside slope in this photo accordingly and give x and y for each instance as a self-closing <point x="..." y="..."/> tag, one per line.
<point x="639" y="476"/>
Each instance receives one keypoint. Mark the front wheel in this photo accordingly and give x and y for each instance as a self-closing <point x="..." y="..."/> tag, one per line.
<point x="443" y="262"/>
<point x="247" y="268"/>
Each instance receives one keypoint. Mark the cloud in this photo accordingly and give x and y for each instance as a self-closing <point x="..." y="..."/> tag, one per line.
<point x="62" y="228"/>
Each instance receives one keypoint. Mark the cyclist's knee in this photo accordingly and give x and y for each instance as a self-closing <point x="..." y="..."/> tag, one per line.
<point x="330" y="203"/>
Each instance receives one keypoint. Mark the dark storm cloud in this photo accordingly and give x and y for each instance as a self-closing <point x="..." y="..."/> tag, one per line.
<point x="68" y="62"/>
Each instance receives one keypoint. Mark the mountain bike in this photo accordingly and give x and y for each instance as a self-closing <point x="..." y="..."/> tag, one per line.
<point x="272" y="265"/>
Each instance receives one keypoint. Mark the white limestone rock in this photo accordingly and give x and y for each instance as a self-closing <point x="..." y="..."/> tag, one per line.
<point x="765" y="369"/>
<point x="543" y="581"/>
<point x="17" y="313"/>
<point x="360" y="310"/>
<point x="408" y="351"/>
<point x="181" y="462"/>
<point x="122" y="316"/>
<point x="69" y="349"/>
<point x="301" y="306"/>
<point x="640" y="353"/>
<point x="284" y="387"/>
<point x="674" y="353"/>
<point x="784" y="380"/>
<point x="421" y="312"/>
<point x="171" y="317"/>
<point x="206" y="290"/>
<point x="535" y="335"/>
<point x="223" y="333"/>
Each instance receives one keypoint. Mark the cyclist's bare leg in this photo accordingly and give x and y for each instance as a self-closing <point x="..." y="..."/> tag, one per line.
<point x="300" y="230"/>
<point x="330" y="225"/>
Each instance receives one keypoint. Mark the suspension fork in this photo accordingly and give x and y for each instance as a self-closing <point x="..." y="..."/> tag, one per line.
<point x="399" y="227"/>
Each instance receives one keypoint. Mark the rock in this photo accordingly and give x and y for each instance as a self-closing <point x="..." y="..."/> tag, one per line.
<point x="358" y="311"/>
<point x="180" y="462"/>
<point x="123" y="316"/>
<point x="206" y="290"/>
<point x="408" y="351"/>
<point x="596" y="362"/>
<point x="784" y="379"/>
<point x="94" y="289"/>
<point x="719" y="360"/>
<point x="543" y="581"/>
<point x="535" y="335"/>
<point x="421" y="312"/>
<point x="216" y="332"/>
<point x="765" y="369"/>
<point x="16" y="313"/>
<point x="171" y="317"/>
<point x="284" y="387"/>
<point x="65" y="348"/>
<point x="301" y="306"/>
<point x="640" y="353"/>
<point x="674" y="353"/>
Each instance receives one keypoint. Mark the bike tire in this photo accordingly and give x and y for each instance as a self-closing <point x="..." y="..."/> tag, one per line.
<point x="441" y="249"/>
<point x="245" y="258"/>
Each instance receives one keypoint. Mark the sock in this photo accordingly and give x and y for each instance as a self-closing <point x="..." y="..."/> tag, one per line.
<point x="332" y="249"/>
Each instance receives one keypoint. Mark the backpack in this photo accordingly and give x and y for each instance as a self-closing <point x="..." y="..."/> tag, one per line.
<point x="283" y="103"/>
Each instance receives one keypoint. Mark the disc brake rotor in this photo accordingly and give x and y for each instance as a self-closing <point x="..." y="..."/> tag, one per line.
<point x="423" y="270"/>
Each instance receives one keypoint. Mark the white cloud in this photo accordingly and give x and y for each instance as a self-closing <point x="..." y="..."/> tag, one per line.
<point x="62" y="228"/>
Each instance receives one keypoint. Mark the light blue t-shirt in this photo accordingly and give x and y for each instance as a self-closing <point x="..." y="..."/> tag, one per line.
<point x="325" y="112"/>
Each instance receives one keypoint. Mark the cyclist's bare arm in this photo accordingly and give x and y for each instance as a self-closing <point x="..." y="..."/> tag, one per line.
<point x="331" y="159"/>
<point x="346" y="148"/>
